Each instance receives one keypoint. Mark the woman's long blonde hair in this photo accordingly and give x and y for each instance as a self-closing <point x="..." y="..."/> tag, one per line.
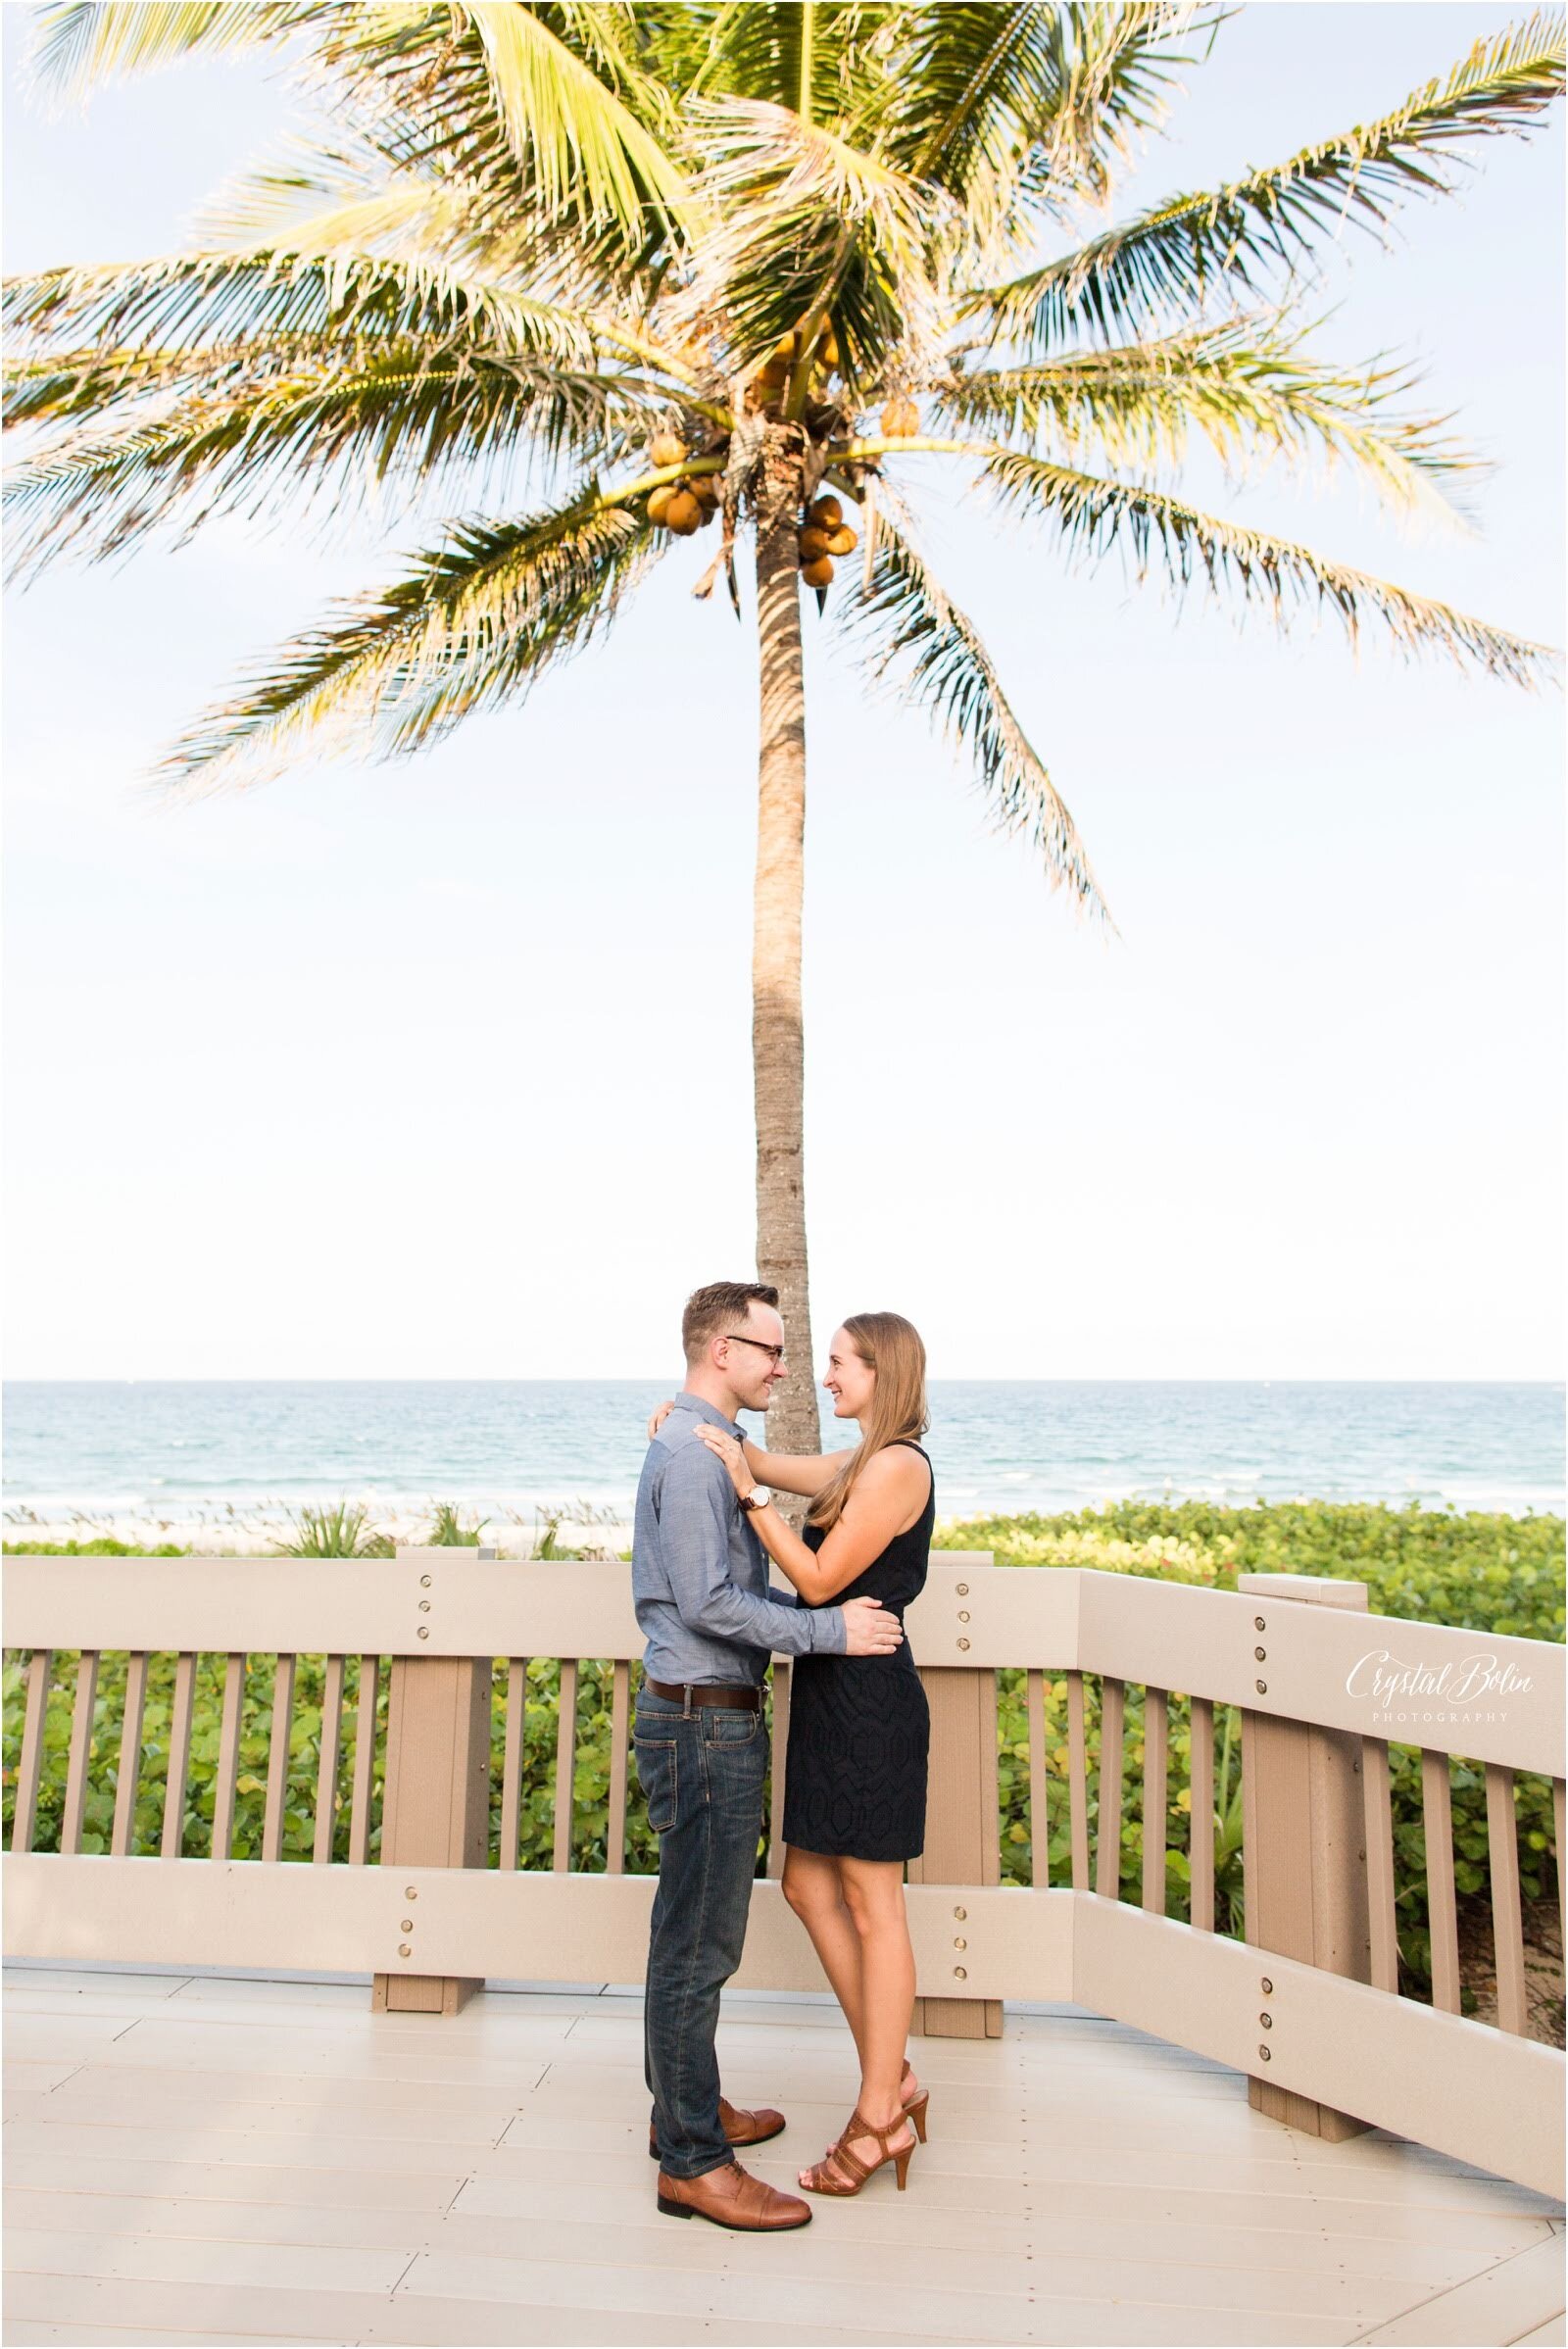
<point x="890" y="1347"/>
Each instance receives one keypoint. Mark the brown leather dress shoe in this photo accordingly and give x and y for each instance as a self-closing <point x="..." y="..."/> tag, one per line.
<point x="741" y="2128"/>
<point x="732" y="2197"/>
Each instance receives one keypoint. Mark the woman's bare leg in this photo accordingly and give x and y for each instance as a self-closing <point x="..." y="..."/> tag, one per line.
<point x="813" y="1889"/>
<point x="873" y="1895"/>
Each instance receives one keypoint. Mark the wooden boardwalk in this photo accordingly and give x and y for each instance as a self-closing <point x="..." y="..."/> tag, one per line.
<point x="214" y="2159"/>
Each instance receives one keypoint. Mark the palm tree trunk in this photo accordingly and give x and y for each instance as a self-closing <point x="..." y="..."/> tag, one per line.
<point x="777" y="1051"/>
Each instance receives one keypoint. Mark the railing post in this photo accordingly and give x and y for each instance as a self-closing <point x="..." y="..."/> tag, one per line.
<point x="1303" y="1855"/>
<point x="435" y="1808"/>
<point x="961" y="1830"/>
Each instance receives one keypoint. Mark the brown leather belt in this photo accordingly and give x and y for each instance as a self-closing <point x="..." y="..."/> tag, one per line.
<point x="705" y="1692"/>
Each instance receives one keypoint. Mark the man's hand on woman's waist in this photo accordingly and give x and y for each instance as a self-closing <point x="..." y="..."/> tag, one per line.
<point x="869" y="1629"/>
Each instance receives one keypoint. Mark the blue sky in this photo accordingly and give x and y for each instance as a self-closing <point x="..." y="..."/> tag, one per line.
<point x="442" y="1069"/>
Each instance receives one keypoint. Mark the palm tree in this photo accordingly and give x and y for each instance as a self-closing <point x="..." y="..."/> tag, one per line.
<point x="603" y="274"/>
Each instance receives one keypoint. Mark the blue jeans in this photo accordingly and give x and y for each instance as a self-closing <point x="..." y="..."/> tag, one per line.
<point x="702" y="1776"/>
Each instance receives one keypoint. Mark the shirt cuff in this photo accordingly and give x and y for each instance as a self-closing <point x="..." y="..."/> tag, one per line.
<point x="832" y="1631"/>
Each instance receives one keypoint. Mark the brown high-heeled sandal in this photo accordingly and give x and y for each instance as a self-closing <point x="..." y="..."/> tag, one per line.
<point x="914" y="2106"/>
<point x="820" y="2178"/>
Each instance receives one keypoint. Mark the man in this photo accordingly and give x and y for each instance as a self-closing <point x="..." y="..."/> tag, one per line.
<point x="700" y="1581"/>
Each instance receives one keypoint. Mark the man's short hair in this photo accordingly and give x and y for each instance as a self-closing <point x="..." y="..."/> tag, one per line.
<point x="713" y="1310"/>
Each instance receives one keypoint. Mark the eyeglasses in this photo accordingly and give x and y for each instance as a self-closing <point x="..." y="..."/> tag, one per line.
<point x="774" y="1352"/>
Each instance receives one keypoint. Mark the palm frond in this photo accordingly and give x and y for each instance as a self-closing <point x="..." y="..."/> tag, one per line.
<point x="317" y="197"/>
<point x="1096" y="518"/>
<point x="426" y="89"/>
<point x="472" y="625"/>
<point x="1269" y="224"/>
<point x="332" y="431"/>
<point x="194" y="300"/>
<point x="806" y="224"/>
<point x="1123" y="72"/>
<point x="826" y="60"/>
<point x="77" y="44"/>
<point x="994" y="103"/>
<point x="574" y="141"/>
<point x="1249" y="386"/>
<point x="906" y="630"/>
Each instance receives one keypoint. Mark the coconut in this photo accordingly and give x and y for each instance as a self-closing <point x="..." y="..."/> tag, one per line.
<point x="844" y="540"/>
<point x="818" y="573"/>
<point x="828" y="355"/>
<point x="900" y="419"/>
<point x="658" y="502"/>
<point x="826" y="512"/>
<point x="683" y="515"/>
<point x="666" y="448"/>
<point x="706" y="489"/>
<point x="813" y="543"/>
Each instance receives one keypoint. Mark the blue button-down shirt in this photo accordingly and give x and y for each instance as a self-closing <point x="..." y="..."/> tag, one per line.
<point x="699" y="1574"/>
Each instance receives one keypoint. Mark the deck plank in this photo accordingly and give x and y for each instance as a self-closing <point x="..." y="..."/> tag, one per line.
<point x="211" y="2159"/>
<point x="1496" y="2305"/>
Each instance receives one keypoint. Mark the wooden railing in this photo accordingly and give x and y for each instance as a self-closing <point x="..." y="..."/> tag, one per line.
<point x="428" y="1760"/>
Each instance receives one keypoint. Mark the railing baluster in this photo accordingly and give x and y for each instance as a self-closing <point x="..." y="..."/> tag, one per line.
<point x="1377" y="1821"/>
<point x="29" y="1768"/>
<point x="363" y="1761"/>
<point x="566" y="1762"/>
<point x="123" y="1836"/>
<point x="1156" y="1795"/>
<point x="777" y="1751"/>
<point x="1078" y="1781"/>
<point x="1107" y="1842"/>
<point x="227" y="1757"/>
<point x="1039" y="1816"/>
<point x="1436" y="1820"/>
<point x="1507" y="1926"/>
<point x="1201" y="1812"/>
<point x="513" y="1759"/>
<point x="327" y="1764"/>
<point x="81" y="1714"/>
<point x="177" y="1777"/>
<point x="619" y="1740"/>
<point x="277" y="1758"/>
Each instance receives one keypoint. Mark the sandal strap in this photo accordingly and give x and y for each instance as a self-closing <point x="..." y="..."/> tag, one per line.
<point x="860" y="2126"/>
<point x="829" y="2180"/>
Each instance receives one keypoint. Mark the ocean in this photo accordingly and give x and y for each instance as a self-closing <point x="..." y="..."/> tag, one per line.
<point x="174" y="1452"/>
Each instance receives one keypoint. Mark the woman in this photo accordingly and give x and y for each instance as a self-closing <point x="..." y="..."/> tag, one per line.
<point x="854" y="1787"/>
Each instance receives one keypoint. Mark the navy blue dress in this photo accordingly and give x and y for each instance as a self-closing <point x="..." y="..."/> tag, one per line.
<point x="855" y="1779"/>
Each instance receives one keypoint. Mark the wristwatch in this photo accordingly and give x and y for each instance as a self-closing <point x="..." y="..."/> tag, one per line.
<point x="758" y="1498"/>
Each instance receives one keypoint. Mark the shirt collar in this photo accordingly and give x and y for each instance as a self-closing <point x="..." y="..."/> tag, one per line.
<point x="701" y="1409"/>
